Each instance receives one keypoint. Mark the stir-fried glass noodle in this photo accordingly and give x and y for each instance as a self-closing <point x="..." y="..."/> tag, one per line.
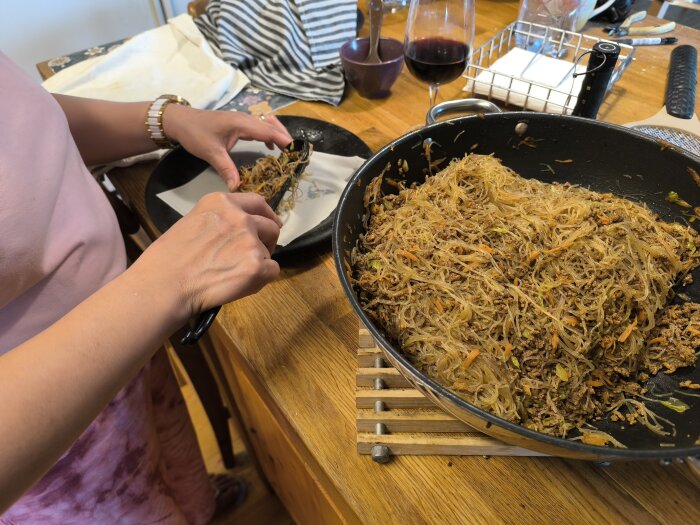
<point x="269" y="174"/>
<point x="545" y="304"/>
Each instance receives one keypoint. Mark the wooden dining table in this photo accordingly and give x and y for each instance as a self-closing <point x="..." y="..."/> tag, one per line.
<point x="287" y="357"/>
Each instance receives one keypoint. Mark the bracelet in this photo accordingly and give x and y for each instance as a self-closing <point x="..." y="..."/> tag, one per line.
<point x="154" y="119"/>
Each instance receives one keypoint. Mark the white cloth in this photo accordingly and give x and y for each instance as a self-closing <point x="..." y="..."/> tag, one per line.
<point x="525" y="69"/>
<point x="173" y="58"/>
<point x="316" y="198"/>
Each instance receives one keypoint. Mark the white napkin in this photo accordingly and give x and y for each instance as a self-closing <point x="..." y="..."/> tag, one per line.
<point x="555" y="73"/>
<point x="316" y="197"/>
<point x="173" y="58"/>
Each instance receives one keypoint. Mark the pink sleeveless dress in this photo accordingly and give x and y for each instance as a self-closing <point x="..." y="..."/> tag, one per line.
<point x="138" y="462"/>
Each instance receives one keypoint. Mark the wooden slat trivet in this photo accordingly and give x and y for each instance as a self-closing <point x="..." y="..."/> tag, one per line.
<point x="395" y="419"/>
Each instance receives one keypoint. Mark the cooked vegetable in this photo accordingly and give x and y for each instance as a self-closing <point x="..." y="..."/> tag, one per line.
<point x="674" y="198"/>
<point x="269" y="174"/>
<point x="675" y="404"/>
<point x="599" y="438"/>
<point x="562" y="290"/>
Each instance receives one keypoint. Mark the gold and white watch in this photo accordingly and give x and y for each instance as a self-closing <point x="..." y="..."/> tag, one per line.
<point x="154" y="119"/>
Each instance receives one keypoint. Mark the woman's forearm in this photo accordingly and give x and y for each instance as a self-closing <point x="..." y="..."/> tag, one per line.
<point x="55" y="384"/>
<point x="107" y="131"/>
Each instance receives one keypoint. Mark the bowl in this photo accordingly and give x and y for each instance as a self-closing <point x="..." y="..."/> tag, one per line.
<point x="372" y="80"/>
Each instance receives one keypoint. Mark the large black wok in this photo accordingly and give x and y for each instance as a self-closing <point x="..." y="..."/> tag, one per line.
<point x="606" y="158"/>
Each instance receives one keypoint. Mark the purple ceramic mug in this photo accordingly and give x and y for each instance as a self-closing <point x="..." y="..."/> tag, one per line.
<point x="372" y="80"/>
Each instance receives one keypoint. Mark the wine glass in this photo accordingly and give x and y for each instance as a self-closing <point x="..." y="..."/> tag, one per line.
<point x="438" y="42"/>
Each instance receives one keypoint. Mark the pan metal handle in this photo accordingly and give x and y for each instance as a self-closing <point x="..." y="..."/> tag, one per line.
<point x="466" y="104"/>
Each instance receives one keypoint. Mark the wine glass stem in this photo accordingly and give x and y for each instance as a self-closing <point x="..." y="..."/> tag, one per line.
<point x="433" y="91"/>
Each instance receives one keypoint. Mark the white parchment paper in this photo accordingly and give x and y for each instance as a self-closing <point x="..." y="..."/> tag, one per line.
<point x="316" y="196"/>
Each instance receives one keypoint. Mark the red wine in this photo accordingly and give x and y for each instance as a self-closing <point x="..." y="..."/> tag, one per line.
<point x="436" y="60"/>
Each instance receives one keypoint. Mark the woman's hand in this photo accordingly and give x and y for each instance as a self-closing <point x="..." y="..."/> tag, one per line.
<point x="210" y="135"/>
<point x="217" y="253"/>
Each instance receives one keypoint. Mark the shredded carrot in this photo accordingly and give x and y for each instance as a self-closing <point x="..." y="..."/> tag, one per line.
<point x="692" y="331"/>
<point x="534" y="255"/>
<point x="407" y="254"/>
<point x="470" y="358"/>
<point x="656" y="340"/>
<point x="550" y="297"/>
<point x="527" y="389"/>
<point x="570" y="320"/>
<point x="486" y="248"/>
<point x="439" y="305"/>
<point x="508" y="350"/>
<point x="555" y="340"/>
<point x="559" y="248"/>
<point x="628" y="331"/>
<point x="594" y="382"/>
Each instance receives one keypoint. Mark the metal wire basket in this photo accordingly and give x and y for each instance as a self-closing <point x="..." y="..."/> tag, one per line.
<point x="544" y="43"/>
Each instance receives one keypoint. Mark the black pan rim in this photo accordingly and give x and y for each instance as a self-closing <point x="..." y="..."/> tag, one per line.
<point x="581" y="450"/>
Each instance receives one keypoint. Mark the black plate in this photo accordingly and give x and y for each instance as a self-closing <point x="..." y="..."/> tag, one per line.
<point x="178" y="167"/>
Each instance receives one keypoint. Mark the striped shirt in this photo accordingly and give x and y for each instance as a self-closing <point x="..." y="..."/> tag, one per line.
<point x="284" y="46"/>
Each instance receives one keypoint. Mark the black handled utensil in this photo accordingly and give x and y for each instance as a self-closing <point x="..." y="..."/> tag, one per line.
<point x="207" y="318"/>
<point x="601" y="64"/>
<point x="676" y="122"/>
